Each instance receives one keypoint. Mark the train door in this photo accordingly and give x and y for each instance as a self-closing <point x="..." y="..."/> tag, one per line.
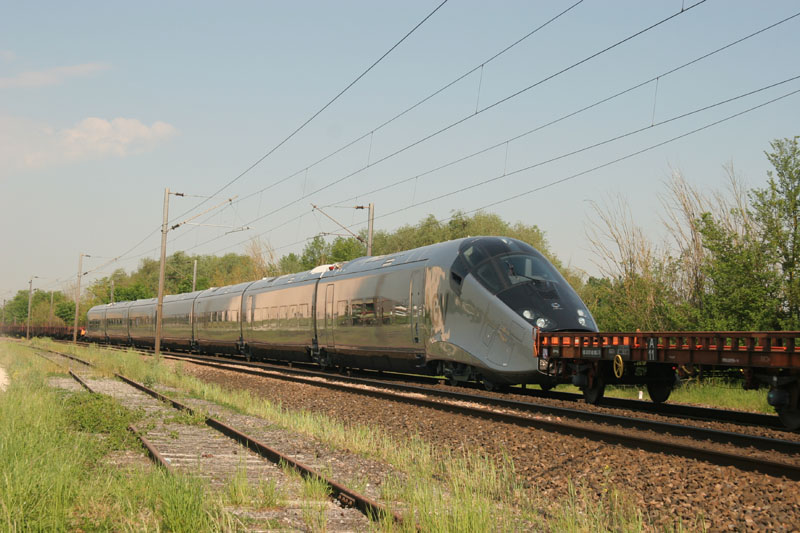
<point x="327" y="339"/>
<point x="417" y="305"/>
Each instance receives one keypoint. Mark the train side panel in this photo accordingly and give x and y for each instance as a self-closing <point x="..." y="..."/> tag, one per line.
<point x="217" y="314"/>
<point x="96" y="324"/>
<point x="142" y="322"/>
<point x="176" y="326"/>
<point x="117" y="323"/>
<point x="277" y="321"/>
<point x="372" y="318"/>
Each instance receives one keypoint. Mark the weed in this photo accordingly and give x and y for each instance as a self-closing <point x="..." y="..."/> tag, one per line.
<point x="270" y="496"/>
<point x="237" y="490"/>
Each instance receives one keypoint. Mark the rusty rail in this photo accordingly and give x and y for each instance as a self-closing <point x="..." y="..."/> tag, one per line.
<point x="369" y="507"/>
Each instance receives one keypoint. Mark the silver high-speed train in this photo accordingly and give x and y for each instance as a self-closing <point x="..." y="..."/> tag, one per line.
<point x="465" y="309"/>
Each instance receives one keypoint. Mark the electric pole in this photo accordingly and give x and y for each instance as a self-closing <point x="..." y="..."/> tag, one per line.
<point x="194" y="276"/>
<point x="78" y="297"/>
<point x="161" y="273"/>
<point x="163" y="263"/>
<point x="30" y="301"/>
<point x="50" y="318"/>
<point x="371" y="208"/>
<point x="112" y="291"/>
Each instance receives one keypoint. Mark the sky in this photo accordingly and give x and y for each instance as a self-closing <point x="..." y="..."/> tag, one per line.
<point x="103" y="105"/>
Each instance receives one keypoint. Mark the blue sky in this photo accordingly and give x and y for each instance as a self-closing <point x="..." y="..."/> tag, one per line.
<point x="103" y="105"/>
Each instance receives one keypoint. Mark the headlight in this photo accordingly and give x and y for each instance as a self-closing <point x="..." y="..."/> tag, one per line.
<point x="581" y="321"/>
<point x="527" y="313"/>
<point x="543" y="322"/>
<point x="581" y="313"/>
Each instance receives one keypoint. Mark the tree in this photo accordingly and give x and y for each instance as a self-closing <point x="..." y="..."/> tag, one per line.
<point x="346" y="249"/>
<point x="742" y="292"/>
<point x="316" y="252"/>
<point x="776" y="209"/>
<point x="65" y="311"/>
<point x="290" y="263"/>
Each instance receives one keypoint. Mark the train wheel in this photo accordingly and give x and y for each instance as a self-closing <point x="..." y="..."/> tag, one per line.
<point x="492" y="386"/>
<point x="594" y="393"/>
<point x="546" y="386"/>
<point x="789" y="410"/>
<point x="659" y="391"/>
<point x="790" y="417"/>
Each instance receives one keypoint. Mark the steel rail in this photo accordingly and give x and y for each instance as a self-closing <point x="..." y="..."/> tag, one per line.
<point x="661" y="427"/>
<point x="653" y="444"/>
<point x="348" y="497"/>
<point x="152" y="451"/>
<point x="767" y="466"/>
<point x="710" y="414"/>
<point x="370" y="508"/>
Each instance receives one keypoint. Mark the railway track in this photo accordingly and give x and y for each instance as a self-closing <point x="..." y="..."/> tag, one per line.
<point x="681" y="411"/>
<point x="724" y="448"/>
<point x="607" y="428"/>
<point x="345" y="495"/>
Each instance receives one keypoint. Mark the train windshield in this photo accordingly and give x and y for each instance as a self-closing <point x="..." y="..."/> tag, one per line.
<point x="526" y="281"/>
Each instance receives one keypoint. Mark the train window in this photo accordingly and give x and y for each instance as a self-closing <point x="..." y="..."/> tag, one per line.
<point x="356" y="309"/>
<point x="386" y="311"/>
<point x="519" y="268"/>
<point x="474" y="255"/>
<point x="305" y="318"/>
<point x="489" y="276"/>
<point x="400" y="312"/>
<point x="369" y="316"/>
<point x="342" y="314"/>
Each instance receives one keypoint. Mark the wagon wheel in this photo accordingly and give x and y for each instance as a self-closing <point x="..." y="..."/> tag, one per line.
<point x="594" y="393"/>
<point x="790" y="414"/>
<point x="659" y="391"/>
<point x="790" y="417"/>
<point x="664" y="381"/>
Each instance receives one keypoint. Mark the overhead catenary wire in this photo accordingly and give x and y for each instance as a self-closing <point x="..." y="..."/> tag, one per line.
<point x="407" y="110"/>
<point x="498" y="54"/>
<point x="538" y="128"/>
<point x="571" y="114"/>
<point x="471" y="115"/>
<point x="319" y="111"/>
<point x="594" y="168"/>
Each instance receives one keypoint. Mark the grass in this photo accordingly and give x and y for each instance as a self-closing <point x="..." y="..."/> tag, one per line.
<point x="52" y="473"/>
<point x="315" y="502"/>
<point x="711" y="392"/>
<point x="434" y="488"/>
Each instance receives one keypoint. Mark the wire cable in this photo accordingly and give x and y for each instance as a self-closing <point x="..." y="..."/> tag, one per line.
<point x="597" y="167"/>
<point x="318" y="112"/>
<point x="435" y="93"/>
<point x="482" y="110"/>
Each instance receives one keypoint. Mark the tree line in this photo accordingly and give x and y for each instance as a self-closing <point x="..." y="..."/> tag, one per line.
<point x="731" y="260"/>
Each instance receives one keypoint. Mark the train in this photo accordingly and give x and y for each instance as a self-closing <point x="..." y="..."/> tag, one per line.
<point x="467" y="309"/>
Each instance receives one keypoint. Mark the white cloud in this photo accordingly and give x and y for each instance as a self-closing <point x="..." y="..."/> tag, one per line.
<point x="7" y="55"/>
<point x="52" y="76"/>
<point x="25" y="144"/>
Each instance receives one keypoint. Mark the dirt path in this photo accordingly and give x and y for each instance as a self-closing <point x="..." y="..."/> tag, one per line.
<point x="3" y="379"/>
